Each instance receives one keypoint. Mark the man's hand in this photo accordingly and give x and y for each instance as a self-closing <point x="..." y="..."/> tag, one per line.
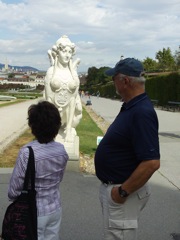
<point x="116" y="197"/>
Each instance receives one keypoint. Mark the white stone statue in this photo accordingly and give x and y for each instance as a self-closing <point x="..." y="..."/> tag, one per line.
<point x="62" y="86"/>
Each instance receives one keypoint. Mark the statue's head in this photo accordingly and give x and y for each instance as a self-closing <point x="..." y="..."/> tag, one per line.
<point x="63" y="42"/>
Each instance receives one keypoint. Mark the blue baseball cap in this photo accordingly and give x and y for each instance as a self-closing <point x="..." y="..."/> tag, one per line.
<point x="128" y="66"/>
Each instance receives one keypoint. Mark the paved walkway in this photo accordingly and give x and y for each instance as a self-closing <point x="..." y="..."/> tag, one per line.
<point x="13" y="122"/>
<point x="81" y="209"/>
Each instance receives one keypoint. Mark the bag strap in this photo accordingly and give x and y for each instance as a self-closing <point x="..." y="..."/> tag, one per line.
<point x="30" y="171"/>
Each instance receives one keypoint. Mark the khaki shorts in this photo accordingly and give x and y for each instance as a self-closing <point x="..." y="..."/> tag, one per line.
<point x="121" y="220"/>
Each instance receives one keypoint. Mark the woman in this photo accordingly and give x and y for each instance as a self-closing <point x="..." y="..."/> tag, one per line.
<point x="50" y="162"/>
<point x="62" y="86"/>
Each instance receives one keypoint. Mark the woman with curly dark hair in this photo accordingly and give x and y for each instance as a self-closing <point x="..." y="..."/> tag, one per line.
<point x="50" y="162"/>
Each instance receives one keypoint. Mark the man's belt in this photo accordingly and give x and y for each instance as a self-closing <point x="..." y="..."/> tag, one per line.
<point x="110" y="182"/>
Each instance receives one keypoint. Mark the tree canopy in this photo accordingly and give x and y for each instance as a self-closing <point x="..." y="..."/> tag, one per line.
<point x="164" y="61"/>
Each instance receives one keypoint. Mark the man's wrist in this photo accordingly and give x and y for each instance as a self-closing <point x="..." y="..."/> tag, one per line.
<point x="123" y="193"/>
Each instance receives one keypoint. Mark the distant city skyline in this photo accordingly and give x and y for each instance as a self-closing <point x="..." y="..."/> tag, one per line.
<point x="5" y="67"/>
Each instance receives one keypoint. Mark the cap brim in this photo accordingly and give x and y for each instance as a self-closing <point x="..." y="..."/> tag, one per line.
<point x="110" y="72"/>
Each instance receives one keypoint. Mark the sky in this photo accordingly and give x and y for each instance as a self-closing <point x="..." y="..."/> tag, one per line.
<point x="102" y="30"/>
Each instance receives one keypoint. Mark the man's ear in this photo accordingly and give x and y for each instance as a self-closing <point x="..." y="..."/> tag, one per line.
<point x="126" y="80"/>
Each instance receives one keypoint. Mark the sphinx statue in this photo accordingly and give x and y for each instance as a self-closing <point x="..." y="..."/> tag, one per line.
<point x="62" y="86"/>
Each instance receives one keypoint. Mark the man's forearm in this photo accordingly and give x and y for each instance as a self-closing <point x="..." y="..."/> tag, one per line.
<point x="141" y="175"/>
<point x="137" y="179"/>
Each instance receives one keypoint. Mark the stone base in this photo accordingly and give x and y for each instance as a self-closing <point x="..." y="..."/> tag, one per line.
<point x="73" y="151"/>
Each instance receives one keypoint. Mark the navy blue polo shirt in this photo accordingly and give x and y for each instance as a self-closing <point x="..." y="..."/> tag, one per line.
<point x="130" y="139"/>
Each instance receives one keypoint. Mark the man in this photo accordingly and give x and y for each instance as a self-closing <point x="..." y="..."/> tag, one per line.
<point x="128" y="154"/>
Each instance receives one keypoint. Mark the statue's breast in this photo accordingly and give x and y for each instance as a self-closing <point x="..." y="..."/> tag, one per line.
<point x="59" y="81"/>
<point x="64" y="87"/>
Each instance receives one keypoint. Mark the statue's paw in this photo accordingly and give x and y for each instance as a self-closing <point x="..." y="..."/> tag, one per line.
<point x="70" y="135"/>
<point x="69" y="139"/>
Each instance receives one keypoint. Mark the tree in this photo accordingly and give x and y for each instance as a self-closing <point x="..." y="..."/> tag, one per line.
<point x="177" y="58"/>
<point x="11" y="75"/>
<point x="102" y="77"/>
<point x="165" y="59"/>
<point x="97" y="76"/>
<point x="149" y="64"/>
<point x="92" y="75"/>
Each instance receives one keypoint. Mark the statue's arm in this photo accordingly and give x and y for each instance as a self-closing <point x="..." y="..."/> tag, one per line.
<point x="76" y="63"/>
<point x="73" y="68"/>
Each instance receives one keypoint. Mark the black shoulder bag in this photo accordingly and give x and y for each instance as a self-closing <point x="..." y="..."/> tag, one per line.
<point x="20" y="219"/>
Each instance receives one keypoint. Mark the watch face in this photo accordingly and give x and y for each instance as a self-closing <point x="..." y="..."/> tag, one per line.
<point x="122" y="192"/>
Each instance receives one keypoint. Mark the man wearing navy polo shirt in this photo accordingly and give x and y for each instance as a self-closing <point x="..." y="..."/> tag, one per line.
<point x="128" y="154"/>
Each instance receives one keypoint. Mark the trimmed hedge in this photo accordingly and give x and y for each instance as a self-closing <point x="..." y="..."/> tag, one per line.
<point x="163" y="88"/>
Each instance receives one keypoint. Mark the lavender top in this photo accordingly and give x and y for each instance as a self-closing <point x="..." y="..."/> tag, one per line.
<point x="50" y="163"/>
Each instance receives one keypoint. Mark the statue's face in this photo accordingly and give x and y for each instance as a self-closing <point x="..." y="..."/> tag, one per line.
<point x="65" y="54"/>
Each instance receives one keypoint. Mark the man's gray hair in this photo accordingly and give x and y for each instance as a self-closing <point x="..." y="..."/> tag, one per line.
<point x="140" y="79"/>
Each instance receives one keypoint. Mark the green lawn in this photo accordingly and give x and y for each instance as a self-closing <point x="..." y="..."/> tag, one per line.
<point x="87" y="130"/>
<point x="4" y="104"/>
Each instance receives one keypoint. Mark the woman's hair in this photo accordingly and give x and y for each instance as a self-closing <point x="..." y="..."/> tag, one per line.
<point x="44" y="120"/>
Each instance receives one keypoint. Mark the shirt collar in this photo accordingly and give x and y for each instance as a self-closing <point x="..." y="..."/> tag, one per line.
<point x="134" y="101"/>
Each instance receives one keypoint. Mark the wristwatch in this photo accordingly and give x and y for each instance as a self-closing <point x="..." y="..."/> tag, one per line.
<point x="123" y="193"/>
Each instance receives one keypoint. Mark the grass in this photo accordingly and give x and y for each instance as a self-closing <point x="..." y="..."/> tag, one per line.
<point x="87" y="130"/>
<point x="4" y="104"/>
<point x="8" y="157"/>
<point x="22" y="94"/>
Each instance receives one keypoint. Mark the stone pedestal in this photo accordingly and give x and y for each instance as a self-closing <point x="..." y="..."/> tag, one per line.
<point x="72" y="148"/>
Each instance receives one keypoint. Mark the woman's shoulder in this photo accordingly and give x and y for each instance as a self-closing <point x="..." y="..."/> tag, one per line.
<point x="57" y="148"/>
<point x="58" y="144"/>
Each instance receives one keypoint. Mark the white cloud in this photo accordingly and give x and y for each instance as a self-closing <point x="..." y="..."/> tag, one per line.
<point x="102" y="30"/>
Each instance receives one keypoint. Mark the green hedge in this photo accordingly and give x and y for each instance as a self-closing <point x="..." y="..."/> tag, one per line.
<point x="163" y="88"/>
<point x="23" y="95"/>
